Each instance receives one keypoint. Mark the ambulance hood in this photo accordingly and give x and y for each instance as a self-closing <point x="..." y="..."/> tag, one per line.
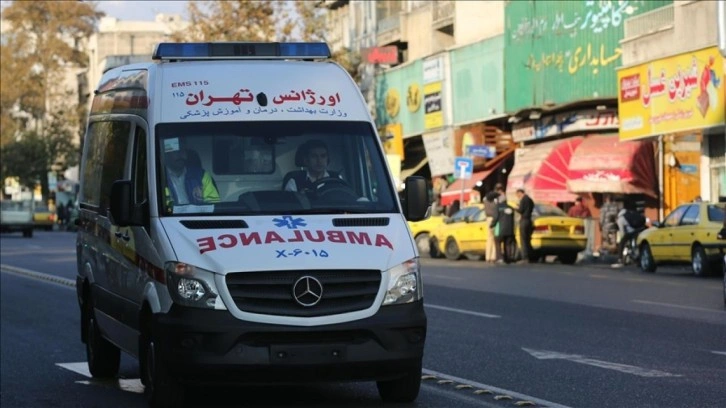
<point x="224" y="245"/>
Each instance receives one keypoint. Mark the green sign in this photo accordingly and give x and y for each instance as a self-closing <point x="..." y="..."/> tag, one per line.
<point x="563" y="51"/>
<point x="399" y="98"/>
<point x="477" y="74"/>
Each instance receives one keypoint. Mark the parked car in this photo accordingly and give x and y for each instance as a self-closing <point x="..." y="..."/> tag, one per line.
<point x="554" y="234"/>
<point x="17" y="216"/>
<point x="426" y="230"/>
<point x="688" y="234"/>
<point x="43" y="217"/>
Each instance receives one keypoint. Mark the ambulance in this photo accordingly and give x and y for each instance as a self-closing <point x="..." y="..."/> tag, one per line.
<point x="239" y="224"/>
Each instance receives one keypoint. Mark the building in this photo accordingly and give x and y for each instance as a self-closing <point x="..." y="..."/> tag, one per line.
<point x="672" y="93"/>
<point x="119" y="42"/>
<point x="433" y="76"/>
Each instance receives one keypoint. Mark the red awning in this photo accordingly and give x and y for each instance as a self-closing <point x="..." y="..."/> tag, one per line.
<point x="542" y="170"/>
<point x="453" y="191"/>
<point x="603" y="164"/>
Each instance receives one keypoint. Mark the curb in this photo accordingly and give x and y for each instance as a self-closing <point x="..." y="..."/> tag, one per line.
<point x="38" y="275"/>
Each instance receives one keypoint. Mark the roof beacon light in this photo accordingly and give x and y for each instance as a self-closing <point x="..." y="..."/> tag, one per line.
<point x="241" y="50"/>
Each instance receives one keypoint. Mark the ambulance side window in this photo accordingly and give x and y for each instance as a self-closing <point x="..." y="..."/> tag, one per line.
<point x="105" y="161"/>
<point x="140" y="174"/>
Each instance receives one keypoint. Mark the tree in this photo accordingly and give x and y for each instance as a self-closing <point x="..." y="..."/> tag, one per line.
<point x="41" y="43"/>
<point x="251" y="20"/>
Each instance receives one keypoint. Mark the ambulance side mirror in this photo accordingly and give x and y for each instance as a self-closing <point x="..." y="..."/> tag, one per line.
<point x="122" y="207"/>
<point x="416" y="199"/>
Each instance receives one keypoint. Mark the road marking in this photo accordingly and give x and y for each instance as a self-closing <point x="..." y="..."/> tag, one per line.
<point x="456" y="278"/>
<point x="462" y="311"/>
<point x="647" y="302"/>
<point x="38" y="275"/>
<point x="623" y="368"/>
<point x="492" y="388"/>
<point x="723" y="353"/>
<point x="131" y="385"/>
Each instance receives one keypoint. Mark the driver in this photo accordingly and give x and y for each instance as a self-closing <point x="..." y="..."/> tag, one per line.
<point x="315" y="159"/>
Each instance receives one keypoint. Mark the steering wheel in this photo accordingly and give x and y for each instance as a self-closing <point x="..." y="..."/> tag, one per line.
<point x="333" y="186"/>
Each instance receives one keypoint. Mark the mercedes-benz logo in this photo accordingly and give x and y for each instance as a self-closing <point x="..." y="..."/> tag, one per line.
<point x="307" y="291"/>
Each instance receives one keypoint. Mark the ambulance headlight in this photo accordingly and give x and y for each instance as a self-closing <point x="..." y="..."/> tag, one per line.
<point x="191" y="286"/>
<point x="404" y="284"/>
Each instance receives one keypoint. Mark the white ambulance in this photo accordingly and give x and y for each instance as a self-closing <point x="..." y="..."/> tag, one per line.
<point x="239" y="223"/>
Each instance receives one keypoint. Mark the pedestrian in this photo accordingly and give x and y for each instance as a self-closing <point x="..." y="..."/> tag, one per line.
<point x="630" y="222"/>
<point x="454" y="208"/>
<point x="503" y="226"/>
<point x="608" y="225"/>
<point x="525" y="209"/>
<point x="579" y="210"/>
<point x="490" y="208"/>
<point x="61" y="213"/>
<point x="501" y="196"/>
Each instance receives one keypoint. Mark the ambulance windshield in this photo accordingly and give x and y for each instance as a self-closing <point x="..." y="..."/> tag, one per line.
<point x="261" y="168"/>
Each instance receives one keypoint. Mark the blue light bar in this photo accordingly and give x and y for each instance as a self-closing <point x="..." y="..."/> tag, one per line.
<point x="241" y="50"/>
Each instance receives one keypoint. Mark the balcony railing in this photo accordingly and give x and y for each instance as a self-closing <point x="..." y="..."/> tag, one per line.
<point x="388" y="24"/>
<point x="443" y="13"/>
<point x="649" y="22"/>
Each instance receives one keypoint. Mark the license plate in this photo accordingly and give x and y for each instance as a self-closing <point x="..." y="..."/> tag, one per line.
<point x="560" y="228"/>
<point x="307" y="354"/>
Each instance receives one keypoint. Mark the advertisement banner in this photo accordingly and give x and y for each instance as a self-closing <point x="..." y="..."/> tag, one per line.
<point x="563" y="51"/>
<point x="433" y="113"/>
<point x="393" y="139"/>
<point x="440" y="151"/>
<point x="670" y="95"/>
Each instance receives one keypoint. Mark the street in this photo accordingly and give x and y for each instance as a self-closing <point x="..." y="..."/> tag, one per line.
<point x="531" y="335"/>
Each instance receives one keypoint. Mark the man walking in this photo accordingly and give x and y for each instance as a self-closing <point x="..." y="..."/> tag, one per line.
<point x="490" y="208"/>
<point x="526" y="207"/>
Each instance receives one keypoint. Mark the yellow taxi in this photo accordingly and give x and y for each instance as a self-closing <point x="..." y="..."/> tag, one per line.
<point x="688" y="234"/>
<point x="421" y="230"/>
<point x="43" y="217"/>
<point x="554" y="234"/>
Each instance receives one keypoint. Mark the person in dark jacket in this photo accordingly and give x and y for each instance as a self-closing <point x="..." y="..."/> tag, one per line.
<point x="503" y="226"/>
<point x="526" y="207"/>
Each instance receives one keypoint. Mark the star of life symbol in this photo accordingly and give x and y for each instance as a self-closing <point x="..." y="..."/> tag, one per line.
<point x="289" y="222"/>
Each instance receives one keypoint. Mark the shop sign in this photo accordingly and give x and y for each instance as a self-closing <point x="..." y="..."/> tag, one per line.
<point x="393" y="139"/>
<point x="381" y="55"/>
<point x="433" y="70"/>
<point x="670" y="95"/>
<point x="565" y="123"/>
<point x="413" y="97"/>
<point x="433" y="114"/>
<point x="563" y="51"/>
<point x="440" y="151"/>
<point x="392" y="102"/>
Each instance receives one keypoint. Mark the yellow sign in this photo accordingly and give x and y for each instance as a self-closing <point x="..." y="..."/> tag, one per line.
<point x="433" y="112"/>
<point x="393" y="103"/>
<point x="393" y="137"/>
<point x="669" y="95"/>
<point x="413" y="97"/>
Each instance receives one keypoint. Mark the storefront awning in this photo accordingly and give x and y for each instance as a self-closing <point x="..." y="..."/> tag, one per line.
<point x="603" y="164"/>
<point x="542" y="170"/>
<point x="453" y="191"/>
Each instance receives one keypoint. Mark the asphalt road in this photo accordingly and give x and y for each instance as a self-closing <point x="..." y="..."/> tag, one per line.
<point x="554" y="335"/>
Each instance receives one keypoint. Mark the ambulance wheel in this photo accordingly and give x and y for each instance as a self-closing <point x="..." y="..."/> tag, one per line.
<point x="103" y="357"/>
<point x="161" y="389"/>
<point x="404" y="389"/>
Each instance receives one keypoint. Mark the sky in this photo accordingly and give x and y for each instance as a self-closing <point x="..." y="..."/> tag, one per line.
<point x="141" y="10"/>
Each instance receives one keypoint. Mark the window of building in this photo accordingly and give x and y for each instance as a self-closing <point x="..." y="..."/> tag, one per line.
<point x="717" y="167"/>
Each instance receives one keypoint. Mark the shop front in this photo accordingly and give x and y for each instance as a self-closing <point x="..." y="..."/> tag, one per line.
<point x="400" y="117"/>
<point x="477" y="78"/>
<point x="678" y="102"/>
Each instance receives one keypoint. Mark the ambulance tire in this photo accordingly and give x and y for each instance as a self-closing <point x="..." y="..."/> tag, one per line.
<point x="401" y="390"/>
<point x="103" y="356"/>
<point x="161" y="389"/>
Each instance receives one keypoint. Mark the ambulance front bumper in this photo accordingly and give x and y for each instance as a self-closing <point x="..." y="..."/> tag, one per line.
<point x="212" y="346"/>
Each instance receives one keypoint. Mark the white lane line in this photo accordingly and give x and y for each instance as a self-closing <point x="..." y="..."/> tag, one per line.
<point x="576" y="358"/>
<point x="723" y="353"/>
<point x="462" y="311"/>
<point x="515" y="394"/>
<point x="131" y="385"/>
<point x="702" y="309"/>
<point x="27" y="273"/>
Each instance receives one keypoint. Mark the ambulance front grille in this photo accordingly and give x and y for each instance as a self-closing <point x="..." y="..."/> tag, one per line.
<point x="271" y="293"/>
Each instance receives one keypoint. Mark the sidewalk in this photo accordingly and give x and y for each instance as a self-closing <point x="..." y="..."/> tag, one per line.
<point x="603" y="258"/>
